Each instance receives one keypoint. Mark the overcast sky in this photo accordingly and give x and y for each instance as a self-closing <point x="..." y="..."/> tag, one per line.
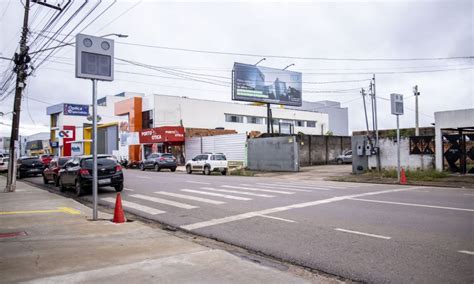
<point x="336" y="30"/>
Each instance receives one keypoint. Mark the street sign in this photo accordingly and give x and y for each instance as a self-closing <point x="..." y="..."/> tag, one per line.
<point x="396" y="103"/>
<point x="94" y="58"/>
<point x="77" y="110"/>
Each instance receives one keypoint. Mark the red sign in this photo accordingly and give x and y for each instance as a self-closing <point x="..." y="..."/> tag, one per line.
<point x="162" y="134"/>
<point x="69" y="129"/>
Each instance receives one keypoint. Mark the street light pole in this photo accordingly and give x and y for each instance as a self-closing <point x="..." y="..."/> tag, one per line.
<point x="94" y="150"/>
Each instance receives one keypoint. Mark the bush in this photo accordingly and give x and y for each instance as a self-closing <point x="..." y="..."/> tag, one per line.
<point x="425" y="175"/>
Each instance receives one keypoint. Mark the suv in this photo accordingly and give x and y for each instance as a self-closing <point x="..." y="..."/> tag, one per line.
<point x="51" y="173"/>
<point x="27" y="166"/>
<point x="77" y="173"/>
<point x="207" y="163"/>
<point x="346" y="157"/>
<point x="158" y="161"/>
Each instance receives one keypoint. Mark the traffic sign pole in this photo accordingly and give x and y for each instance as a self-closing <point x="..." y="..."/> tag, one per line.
<point x="94" y="150"/>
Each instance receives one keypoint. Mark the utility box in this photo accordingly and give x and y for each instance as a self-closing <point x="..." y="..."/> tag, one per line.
<point x="360" y="161"/>
<point x="396" y="103"/>
<point x="94" y="58"/>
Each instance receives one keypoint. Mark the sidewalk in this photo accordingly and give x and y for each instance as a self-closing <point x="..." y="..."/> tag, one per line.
<point x="47" y="238"/>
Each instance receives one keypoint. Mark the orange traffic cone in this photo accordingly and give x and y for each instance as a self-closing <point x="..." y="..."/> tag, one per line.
<point x="403" y="177"/>
<point x="119" y="216"/>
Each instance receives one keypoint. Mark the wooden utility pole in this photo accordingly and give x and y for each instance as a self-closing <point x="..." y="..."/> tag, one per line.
<point x="21" y="61"/>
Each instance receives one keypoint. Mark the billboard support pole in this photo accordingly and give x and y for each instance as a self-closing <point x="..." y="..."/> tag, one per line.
<point x="268" y="118"/>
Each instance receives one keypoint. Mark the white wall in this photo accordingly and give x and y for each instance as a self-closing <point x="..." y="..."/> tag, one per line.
<point x="194" y="113"/>
<point x="388" y="156"/>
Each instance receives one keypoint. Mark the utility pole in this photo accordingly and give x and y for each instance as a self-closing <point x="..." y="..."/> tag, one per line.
<point x="21" y="61"/>
<point x="362" y="91"/>
<point x="379" y="167"/>
<point x="416" y="94"/>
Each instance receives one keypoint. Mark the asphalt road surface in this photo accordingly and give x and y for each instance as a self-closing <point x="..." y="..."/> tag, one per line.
<point x="367" y="232"/>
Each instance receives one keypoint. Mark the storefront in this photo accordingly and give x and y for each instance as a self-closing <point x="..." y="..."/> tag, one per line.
<point x="166" y="139"/>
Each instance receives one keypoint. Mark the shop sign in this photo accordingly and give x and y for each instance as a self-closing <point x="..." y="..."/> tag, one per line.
<point x="77" y="110"/>
<point x="162" y="134"/>
<point x="77" y="149"/>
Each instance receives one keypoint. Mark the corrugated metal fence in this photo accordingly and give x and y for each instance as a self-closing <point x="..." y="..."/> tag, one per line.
<point x="234" y="146"/>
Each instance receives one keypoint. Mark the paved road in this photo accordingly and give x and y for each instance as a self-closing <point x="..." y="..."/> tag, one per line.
<point x="368" y="232"/>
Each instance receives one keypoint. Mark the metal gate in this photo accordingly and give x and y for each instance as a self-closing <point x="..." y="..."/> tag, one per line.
<point x="458" y="153"/>
<point x="234" y="146"/>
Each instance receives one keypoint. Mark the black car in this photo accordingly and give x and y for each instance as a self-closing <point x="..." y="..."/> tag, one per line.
<point x="77" y="173"/>
<point x="158" y="161"/>
<point x="29" y="166"/>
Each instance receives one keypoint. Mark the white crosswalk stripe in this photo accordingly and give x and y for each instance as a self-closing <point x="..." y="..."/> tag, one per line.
<point x="308" y="185"/>
<point x="257" y="189"/>
<point x="295" y="186"/>
<point x="273" y="187"/>
<point x="278" y="186"/>
<point x="237" y="192"/>
<point x="190" y="197"/>
<point x="217" y="194"/>
<point x="164" y="201"/>
<point x="133" y="205"/>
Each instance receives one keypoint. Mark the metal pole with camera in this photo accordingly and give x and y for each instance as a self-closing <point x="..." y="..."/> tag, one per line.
<point x="396" y="103"/>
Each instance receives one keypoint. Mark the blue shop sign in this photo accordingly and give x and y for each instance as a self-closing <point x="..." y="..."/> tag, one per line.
<point x="78" y="110"/>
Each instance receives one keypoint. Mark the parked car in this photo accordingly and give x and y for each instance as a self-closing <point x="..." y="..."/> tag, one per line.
<point x="46" y="159"/>
<point x="77" y="173"/>
<point x="28" y="166"/>
<point x="3" y="162"/>
<point x="346" y="157"/>
<point x="51" y="173"/>
<point x="207" y="163"/>
<point x="158" y="161"/>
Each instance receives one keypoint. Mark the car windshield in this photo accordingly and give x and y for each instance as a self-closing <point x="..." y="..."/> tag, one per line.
<point x="28" y="161"/>
<point x="220" y="158"/>
<point x="167" y="156"/>
<point x="101" y="162"/>
<point x="62" y="161"/>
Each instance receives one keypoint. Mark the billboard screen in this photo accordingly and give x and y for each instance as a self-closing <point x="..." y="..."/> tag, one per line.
<point x="269" y="85"/>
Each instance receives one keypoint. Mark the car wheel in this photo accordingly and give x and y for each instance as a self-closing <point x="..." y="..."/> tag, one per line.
<point x="79" y="189"/>
<point x="173" y="169"/>
<point x="142" y="167"/>
<point x="188" y="169"/>
<point x="62" y="187"/>
<point x="45" y="180"/>
<point x="207" y="170"/>
<point x="339" y="161"/>
<point x="224" y="172"/>
<point x="56" y="180"/>
<point x="119" y="187"/>
<point x="157" y="168"/>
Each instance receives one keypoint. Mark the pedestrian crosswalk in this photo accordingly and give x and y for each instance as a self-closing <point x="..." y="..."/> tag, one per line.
<point x="205" y="194"/>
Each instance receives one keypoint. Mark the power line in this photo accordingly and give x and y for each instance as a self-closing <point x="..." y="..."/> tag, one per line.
<point x="119" y="16"/>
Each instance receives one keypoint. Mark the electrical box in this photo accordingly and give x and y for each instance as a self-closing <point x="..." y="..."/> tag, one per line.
<point x="368" y="150"/>
<point x="94" y="57"/>
<point x="360" y="149"/>
<point x="396" y="102"/>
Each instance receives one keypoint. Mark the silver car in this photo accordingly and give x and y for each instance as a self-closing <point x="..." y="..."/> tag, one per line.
<point x="345" y="158"/>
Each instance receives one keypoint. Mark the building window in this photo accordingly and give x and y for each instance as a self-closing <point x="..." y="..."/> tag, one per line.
<point x="299" y="123"/>
<point x="254" y="120"/>
<point x="147" y="119"/>
<point x="311" y="123"/>
<point x="234" y="118"/>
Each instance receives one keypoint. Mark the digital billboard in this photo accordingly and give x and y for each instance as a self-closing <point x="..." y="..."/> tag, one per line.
<point x="263" y="84"/>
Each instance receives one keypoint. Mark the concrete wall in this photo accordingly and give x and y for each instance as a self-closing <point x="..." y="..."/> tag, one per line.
<point x="388" y="156"/>
<point x="273" y="154"/>
<point x="194" y="113"/>
<point x="321" y="149"/>
<point x="450" y="119"/>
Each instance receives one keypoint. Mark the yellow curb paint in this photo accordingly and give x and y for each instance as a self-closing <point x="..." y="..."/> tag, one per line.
<point x="59" y="210"/>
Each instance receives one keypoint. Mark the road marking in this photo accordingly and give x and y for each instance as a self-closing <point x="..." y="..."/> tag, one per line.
<point x="217" y="194"/>
<point x="469" y="194"/>
<point x="466" y="252"/>
<point x="237" y="192"/>
<point x="286" y="185"/>
<point x="197" y="182"/>
<point x="183" y="196"/>
<point x="59" y="210"/>
<point x="144" y="177"/>
<point x="164" y="201"/>
<point x="413" y="204"/>
<point x="129" y="189"/>
<point x="247" y="215"/>
<point x="133" y="205"/>
<point x="257" y="189"/>
<point x="277" y="218"/>
<point x="363" y="234"/>
<point x="280" y="187"/>
<point x="311" y="186"/>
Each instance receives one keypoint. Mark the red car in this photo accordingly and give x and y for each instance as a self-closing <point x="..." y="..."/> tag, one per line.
<point x="50" y="173"/>
<point x="46" y="159"/>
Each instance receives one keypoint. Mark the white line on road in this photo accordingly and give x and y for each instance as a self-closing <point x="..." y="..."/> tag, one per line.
<point x="237" y="192"/>
<point x="309" y="186"/>
<point x="281" y="187"/>
<point x="466" y="252"/>
<point x="129" y="189"/>
<point x="217" y="194"/>
<point x="258" y="189"/>
<point x="189" y="197"/>
<point x="278" y="218"/>
<point x="363" y="234"/>
<point x="287" y="185"/>
<point x="164" y="201"/>
<point x="136" y="206"/>
<point x="412" y="204"/>
<point x="247" y="215"/>
<point x="197" y="182"/>
<point x="144" y="177"/>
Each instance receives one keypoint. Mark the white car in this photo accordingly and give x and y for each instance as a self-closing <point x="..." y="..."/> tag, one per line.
<point x="3" y="163"/>
<point x="207" y="163"/>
